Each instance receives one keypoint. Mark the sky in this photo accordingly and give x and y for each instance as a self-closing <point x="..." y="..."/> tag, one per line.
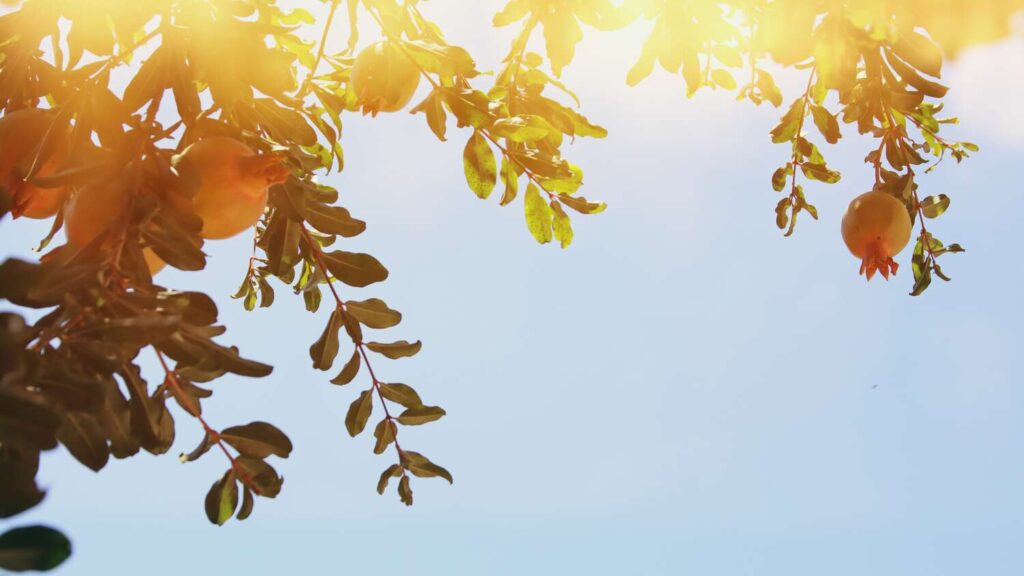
<point x="683" y="391"/>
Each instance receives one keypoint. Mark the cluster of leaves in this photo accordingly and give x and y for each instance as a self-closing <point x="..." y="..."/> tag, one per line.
<point x="872" y="55"/>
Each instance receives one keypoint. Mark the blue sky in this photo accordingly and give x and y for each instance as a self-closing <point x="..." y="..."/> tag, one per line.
<point x="682" y="391"/>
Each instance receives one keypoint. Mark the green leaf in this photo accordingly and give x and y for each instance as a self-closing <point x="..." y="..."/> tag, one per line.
<point x="401" y="394"/>
<point x="511" y="179"/>
<point x="33" y="548"/>
<point x="539" y="215"/>
<point x="827" y="123"/>
<point x="521" y="129"/>
<point x="433" y="107"/>
<point x="374" y="313"/>
<point x="779" y="178"/>
<point x="417" y="415"/>
<point x="325" y="349"/>
<point x="258" y="439"/>
<point x="935" y="206"/>
<point x="562" y="225"/>
<point x="222" y="499"/>
<point x="480" y="165"/>
<point x="582" y="205"/>
<point x="395" y="350"/>
<point x="786" y="130"/>
<point x="355" y="269"/>
<point x="359" y="412"/>
<point x="349" y="372"/>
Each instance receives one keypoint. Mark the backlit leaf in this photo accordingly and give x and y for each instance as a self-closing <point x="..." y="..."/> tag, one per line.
<point x="479" y="165"/>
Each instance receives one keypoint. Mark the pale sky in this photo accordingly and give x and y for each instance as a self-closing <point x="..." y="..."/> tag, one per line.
<point x="684" y="391"/>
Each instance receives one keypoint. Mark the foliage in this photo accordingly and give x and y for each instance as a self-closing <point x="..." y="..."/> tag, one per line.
<point x="73" y="377"/>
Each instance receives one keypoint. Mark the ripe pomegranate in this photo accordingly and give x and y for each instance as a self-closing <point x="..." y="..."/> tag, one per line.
<point x="876" y="227"/>
<point x="21" y="133"/>
<point x="384" y="78"/>
<point x="93" y="210"/>
<point x="232" y="183"/>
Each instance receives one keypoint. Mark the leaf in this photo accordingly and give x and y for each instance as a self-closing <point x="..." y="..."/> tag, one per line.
<point x="384" y="432"/>
<point x="582" y="205"/>
<point x="935" y="206"/>
<point x="444" y="60"/>
<point x="325" y="349"/>
<point x="510" y="178"/>
<point x="920" y="52"/>
<point x="355" y="269"/>
<point x="393" y="471"/>
<point x="645" y="64"/>
<point x="247" y="504"/>
<point x="521" y="129"/>
<point x="333" y="220"/>
<point x="786" y="130"/>
<point x="349" y="372"/>
<point x="417" y="415"/>
<point x="204" y="446"/>
<point x="404" y="491"/>
<point x="827" y="123"/>
<point x="401" y="394"/>
<point x="723" y="78"/>
<point x="539" y="215"/>
<point x="562" y="225"/>
<point x="396" y="350"/>
<point x="149" y="82"/>
<point x="359" y="412"/>
<point x="374" y="313"/>
<point x="422" y="467"/>
<point x="33" y="548"/>
<point x="433" y="107"/>
<point x="261" y="477"/>
<point x="479" y="164"/>
<point x="222" y="499"/>
<point x="83" y="436"/>
<point x="779" y="178"/>
<point x="258" y="439"/>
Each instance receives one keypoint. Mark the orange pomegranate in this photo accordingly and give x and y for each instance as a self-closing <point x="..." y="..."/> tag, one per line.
<point x="231" y="182"/>
<point x="95" y="209"/>
<point x="21" y="133"/>
<point x="876" y="227"/>
<point x="384" y="78"/>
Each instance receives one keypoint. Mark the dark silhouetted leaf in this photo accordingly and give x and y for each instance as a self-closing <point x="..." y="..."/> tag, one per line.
<point x="349" y="372"/>
<point x="258" y="439"/>
<point x="33" y="548"/>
